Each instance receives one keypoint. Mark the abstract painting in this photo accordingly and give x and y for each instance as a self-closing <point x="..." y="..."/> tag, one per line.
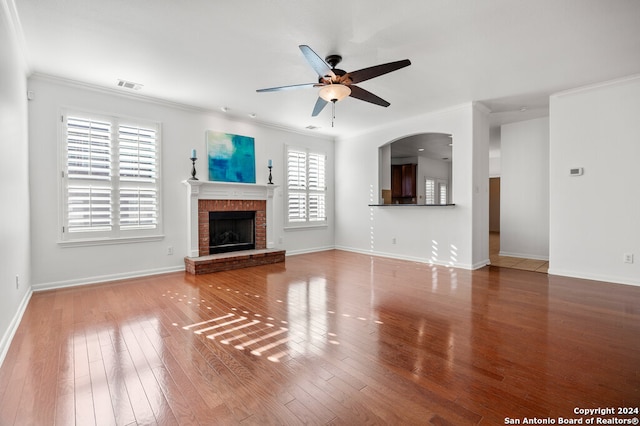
<point x="231" y="158"/>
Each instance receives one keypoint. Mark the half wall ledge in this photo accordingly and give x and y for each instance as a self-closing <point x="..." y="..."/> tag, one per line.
<point x="233" y="260"/>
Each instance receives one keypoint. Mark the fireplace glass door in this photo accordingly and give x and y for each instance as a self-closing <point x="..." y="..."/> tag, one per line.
<point x="231" y="231"/>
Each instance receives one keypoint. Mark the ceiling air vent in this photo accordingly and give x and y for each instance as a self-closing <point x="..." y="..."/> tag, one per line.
<point x="311" y="127"/>
<point x="129" y="85"/>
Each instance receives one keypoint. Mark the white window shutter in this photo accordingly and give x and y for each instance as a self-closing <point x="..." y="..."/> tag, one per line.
<point x="306" y="187"/>
<point x="88" y="149"/>
<point x="296" y="170"/>
<point x="111" y="178"/>
<point x="138" y="208"/>
<point x="317" y="208"/>
<point x="317" y="172"/>
<point x="297" y="207"/>
<point x="89" y="208"/>
<point x="137" y="154"/>
<point x="442" y="192"/>
<point x="430" y="191"/>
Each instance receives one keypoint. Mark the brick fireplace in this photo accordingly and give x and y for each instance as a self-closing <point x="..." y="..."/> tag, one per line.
<point x="206" y="197"/>
<point x="207" y="206"/>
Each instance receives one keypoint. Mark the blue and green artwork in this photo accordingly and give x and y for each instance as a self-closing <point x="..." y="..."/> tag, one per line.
<point x="231" y="158"/>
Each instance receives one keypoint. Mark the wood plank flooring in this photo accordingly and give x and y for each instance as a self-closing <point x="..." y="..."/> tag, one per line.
<point x="496" y="259"/>
<point x="325" y="338"/>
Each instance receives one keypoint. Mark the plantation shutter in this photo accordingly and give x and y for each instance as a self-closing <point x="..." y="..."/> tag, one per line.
<point x="317" y="208"/>
<point x="88" y="168"/>
<point x="316" y="172"/>
<point x="138" y="168"/>
<point x="297" y="184"/>
<point x="317" y="188"/>
<point x="89" y="208"/>
<point x="88" y="149"/>
<point x="110" y="178"/>
<point x="306" y="186"/>
<point x="430" y="191"/>
<point x="296" y="170"/>
<point x="297" y="207"/>
<point x="442" y="192"/>
<point x="138" y="154"/>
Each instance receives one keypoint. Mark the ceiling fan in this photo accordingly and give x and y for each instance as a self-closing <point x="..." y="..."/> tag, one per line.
<point x="336" y="84"/>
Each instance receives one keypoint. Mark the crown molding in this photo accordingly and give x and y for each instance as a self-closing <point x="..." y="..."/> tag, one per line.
<point x="170" y="104"/>
<point x="622" y="80"/>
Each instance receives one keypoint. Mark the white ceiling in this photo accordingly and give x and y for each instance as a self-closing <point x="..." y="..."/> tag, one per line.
<point x="212" y="53"/>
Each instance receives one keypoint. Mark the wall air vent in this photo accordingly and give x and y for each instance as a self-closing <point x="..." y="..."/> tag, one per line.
<point x="129" y="84"/>
<point x="311" y="127"/>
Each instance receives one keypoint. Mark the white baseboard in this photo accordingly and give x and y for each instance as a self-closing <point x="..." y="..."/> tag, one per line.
<point x="593" y="277"/>
<point x="13" y="326"/>
<point x="414" y="259"/>
<point x="104" y="278"/>
<point x="524" y="255"/>
<point x="312" y="250"/>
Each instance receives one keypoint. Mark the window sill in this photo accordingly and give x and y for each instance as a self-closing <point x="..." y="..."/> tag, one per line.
<point x="303" y="227"/>
<point x="411" y="205"/>
<point x="109" y="241"/>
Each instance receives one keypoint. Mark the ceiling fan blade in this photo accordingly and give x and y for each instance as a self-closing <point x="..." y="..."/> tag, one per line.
<point x="377" y="70"/>
<point x="317" y="63"/>
<point x="320" y="104"/>
<point x="364" y="95"/>
<point x="294" y="86"/>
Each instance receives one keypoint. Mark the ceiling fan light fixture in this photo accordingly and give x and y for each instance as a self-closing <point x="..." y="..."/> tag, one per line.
<point x="334" y="92"/>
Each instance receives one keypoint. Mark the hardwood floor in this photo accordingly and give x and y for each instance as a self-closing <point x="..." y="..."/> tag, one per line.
<point x="325" y="338"/>
<point x="513" y="262"/>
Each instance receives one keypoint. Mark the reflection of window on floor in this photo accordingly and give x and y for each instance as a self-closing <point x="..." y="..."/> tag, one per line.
<point x="307" y="314"/>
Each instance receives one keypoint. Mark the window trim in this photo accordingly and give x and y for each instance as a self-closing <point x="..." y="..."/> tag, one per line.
<point x="306" y="224"/>
<point x="115" y="235"/>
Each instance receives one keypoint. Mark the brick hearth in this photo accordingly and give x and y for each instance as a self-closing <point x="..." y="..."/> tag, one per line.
<point x="235" y="260"/>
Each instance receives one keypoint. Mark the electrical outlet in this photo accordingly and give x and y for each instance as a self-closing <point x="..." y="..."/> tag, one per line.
<point x="628" y="258"/>
<point x="17" y="282"/>
<point x="394" y="240"/>
<point x="169" y="250"/>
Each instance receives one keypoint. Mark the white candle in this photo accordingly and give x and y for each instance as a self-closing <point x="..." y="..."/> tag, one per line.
<point x="270" y="164"/>
<point x="193" y="153"/>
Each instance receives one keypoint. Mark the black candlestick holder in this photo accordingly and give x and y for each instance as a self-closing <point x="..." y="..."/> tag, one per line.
<point x="193" y="169"/>
<point x="270" y="183"/>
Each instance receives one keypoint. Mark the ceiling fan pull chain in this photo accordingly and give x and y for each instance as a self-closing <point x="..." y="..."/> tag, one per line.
<point x="333" y="112"/>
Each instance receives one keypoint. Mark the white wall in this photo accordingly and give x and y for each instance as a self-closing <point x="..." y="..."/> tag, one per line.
<point x="595" y="218"/>
<point x="443" y="235"/>
<point x="524" y="189"/>
<point x="182" y="129"/>
<point x="494" y="152"/>
<point x="480" y="182"/>
<point x="14" y="183"/>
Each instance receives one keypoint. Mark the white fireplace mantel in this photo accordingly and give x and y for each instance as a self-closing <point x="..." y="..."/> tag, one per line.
<point x="207" y="190"/>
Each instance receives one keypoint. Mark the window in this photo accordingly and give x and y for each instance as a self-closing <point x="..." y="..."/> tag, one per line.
<point x="442" y="191"/>
<point x="436" y="191"/>
<point x="430" y="188"/>
<point x="306" y="187"/>
<point x="110" y="178"/>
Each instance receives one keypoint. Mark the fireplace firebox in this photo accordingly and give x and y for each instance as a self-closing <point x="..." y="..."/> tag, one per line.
<point x="231" y="231"/>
